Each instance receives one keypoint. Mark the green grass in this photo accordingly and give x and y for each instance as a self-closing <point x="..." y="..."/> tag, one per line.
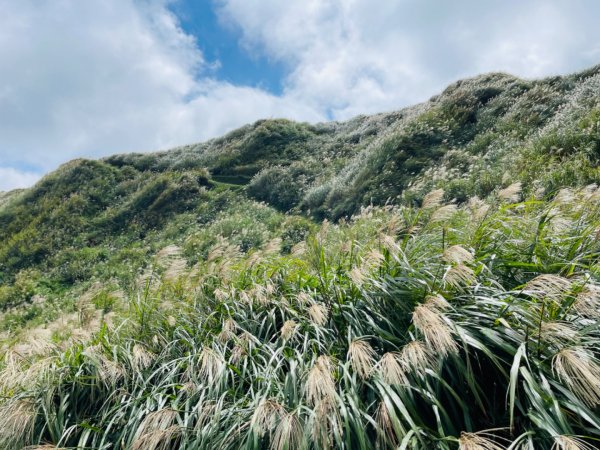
<point x="404" y="327"/>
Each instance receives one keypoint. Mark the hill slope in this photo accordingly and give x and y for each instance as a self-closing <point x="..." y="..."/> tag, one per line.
<point x="392" y="280"/>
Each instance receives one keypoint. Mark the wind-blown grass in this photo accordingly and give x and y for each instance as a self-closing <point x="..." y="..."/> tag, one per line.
<point x="403" y="328"/>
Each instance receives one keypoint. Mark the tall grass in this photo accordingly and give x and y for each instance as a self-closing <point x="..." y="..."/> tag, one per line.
<point x="442" y="327"/>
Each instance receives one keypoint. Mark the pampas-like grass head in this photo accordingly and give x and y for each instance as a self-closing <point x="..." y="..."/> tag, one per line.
<point x="457" y="255"/>
<point x="547" y="286"/>
<point x="385" y="427"/>
<point x="433" y="199"/>
<point x="511" y="194"/>
<point x="17" y="421"/>
<point x="390" y="369"/>
<point x="478" y="441"/>
<point x="288" y="329"/>
<point x="157" y="431"/>
<point x="362" y="357"/>
<point x="318" y="314"/>
<point x="587" y="303"/>
<point x="459" y="276"/>
<point x="320" y="385"/>
<point x="289" y="433"/>
<point x="211" y="364"/>
<point x="579" y="370"/>
<point x="266" y="416"/>
<point x="141" y="358"/>
<point x="435" y="330"/>
<point x="416" y="356"/>
<point x="443" y="213"/>
<point x="571" y="443"/>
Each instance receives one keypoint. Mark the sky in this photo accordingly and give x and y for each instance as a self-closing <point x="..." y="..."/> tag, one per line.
<point x="97" y="77"/>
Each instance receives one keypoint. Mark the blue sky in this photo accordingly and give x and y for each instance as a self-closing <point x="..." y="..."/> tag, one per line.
<point x="220" y="43"/>
<point x="97" y="77"/>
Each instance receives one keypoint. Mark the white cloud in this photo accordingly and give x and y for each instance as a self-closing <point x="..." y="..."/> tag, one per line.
<point x="358" y="56"/>
<point x="95" y="77"/>
<point x="11" y="178"/>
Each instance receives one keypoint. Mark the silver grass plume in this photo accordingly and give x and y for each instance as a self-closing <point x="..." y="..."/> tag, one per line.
<point x="457" y="255"/>
<point x="436" y="332"/>
<point x="320" y="385"/>
<point x="362" y="357"/>
<point x="580" y="371"/>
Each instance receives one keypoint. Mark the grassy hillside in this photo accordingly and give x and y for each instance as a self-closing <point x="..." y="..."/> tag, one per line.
<point x="426" y="278"/>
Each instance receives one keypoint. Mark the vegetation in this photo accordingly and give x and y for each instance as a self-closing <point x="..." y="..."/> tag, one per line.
<point x="421" y="279"/>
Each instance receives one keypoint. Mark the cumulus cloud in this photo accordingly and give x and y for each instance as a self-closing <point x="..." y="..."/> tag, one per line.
<point x="104" y="76"/>
<point x="359" y="56"/>
<point x="95" y="77"/>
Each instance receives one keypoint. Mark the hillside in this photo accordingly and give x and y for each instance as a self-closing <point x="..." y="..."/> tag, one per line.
<point x="426" y="278"/>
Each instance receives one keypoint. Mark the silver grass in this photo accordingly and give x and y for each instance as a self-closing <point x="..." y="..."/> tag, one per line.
<point x="385" y="428"/>
<point x="141" y="358"/>
<point x="266" y="416"/>
<point x="443" y="213"/>
<point x="435" y="330"/>
<point x="417" y="357"/>
<point x="433" y="199"/>
<point x="587" y="302"/>
<point x="318" y="314"/>
<point x="511" y="193"/>
<point x="547" y="286"/>
<point x="17" y="420"/>
<point x="320" y="385"/>
<point x="571" y="443"/>
<point x="390" y="369"/>
<point x="288" y="329"/>
<point x="457" y="254"/>
<point x="459" y="276"/>
<point x="211" y="364"/>
<point x="580" y="371"/>
<point x="362" y="357"/>
<point x="289" y="433"/>
<point x="478" y="441"/>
